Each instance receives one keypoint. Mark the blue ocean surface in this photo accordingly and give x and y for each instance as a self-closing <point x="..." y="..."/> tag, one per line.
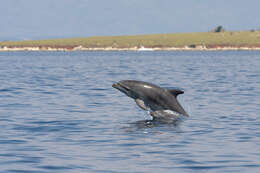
<point x="59" y="112"/>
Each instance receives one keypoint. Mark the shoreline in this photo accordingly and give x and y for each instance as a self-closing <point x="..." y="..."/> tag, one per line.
<point x="81" y="48"/>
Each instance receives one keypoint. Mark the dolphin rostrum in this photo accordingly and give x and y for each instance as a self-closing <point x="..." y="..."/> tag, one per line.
<point x="161" y="103"/>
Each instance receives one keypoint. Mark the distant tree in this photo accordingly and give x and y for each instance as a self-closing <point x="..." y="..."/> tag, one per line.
<point x="219" y="29"/>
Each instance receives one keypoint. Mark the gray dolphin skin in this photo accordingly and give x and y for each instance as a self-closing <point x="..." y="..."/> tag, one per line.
<point x="162" y="103"/>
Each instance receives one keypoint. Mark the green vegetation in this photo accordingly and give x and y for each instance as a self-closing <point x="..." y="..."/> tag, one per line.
<point x="225" y="38"/>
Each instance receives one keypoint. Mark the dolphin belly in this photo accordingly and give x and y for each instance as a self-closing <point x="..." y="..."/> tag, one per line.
<point x="165" y="115"/>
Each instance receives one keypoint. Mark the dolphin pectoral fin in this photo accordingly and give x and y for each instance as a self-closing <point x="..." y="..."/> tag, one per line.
<point x="141" y="104"/>
<point x="165" y="114"/>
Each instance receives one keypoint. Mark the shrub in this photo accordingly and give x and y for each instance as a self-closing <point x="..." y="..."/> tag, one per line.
<point x="219" y="29"/>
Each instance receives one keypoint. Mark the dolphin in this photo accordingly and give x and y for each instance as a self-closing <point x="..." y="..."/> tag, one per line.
<point x="160" y="102"/>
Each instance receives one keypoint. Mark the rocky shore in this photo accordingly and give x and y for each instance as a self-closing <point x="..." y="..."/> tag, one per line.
<point x="82" y="48"/>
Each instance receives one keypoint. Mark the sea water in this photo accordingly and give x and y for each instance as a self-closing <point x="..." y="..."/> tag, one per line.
<point x="59" y="113"/>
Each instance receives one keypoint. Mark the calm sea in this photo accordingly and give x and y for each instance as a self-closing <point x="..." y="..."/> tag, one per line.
<point x="59" y="113"/>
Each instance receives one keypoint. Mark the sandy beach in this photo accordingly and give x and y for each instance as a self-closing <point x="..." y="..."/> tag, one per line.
<point x="82" y="48"/>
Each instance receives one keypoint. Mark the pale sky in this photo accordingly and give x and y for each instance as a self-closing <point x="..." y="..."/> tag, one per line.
<point x="42" y="19"/>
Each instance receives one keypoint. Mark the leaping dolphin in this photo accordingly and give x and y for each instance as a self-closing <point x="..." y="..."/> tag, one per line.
<point x="162" y="103"/>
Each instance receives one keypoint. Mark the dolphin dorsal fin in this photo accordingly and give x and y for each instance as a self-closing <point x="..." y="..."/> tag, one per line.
<point x="175" y="92"/>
